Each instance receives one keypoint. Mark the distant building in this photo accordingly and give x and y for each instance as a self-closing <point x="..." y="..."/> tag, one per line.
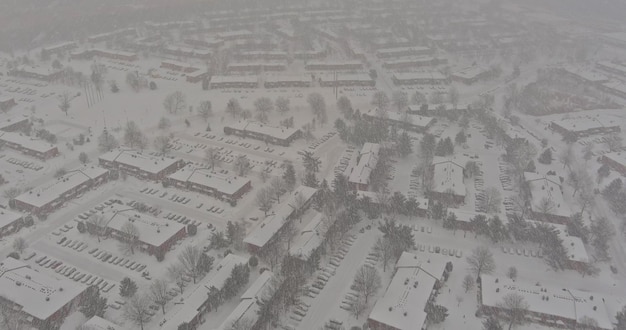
<point x="295" y="80"/>
<point x="13" y="123"/>
<point x="412" y="62"/>
<point x="256" y="67"/>
<point x="156" y="235"/>
<point x="234" y="82"/>
<point x="584" y="75"/>
<point x="227" y="187"/>
<point x="408" y="121"/>
<point x="346" y="80"/>
<point x="197" y="304"/>
<point x="575" y="128"/>
<point x="470" y="75"/>
<point x="259" y="131"/>
<point x="552" y="306"/>
<point x="367" y="160"/>
<point x="37" y="297"/>
<point x="420" y="78"/>
<point x="96" y="38"/>
<point x="615" y="160"/>
<point x="547" y="201"/>
<point x="6" y="103"/>
<point x="263" y="55"/>
<point x="25" y="144"/>
<point x="403" y="51"/>
<point x="447" y="180"/>
<point x="334" y="65"/>
<point x="104" y="53"/>
<point x="142" y="166"/>
<point x="59" y="48"/>
<point x="10" y="222"/>
<point x="178" y="66"/>
<point x="52" y="195"/>
<point x="577" y="257"/>
<point x="616" y="68"/>
<point x="38" y="73"/>
<point x="292" y="207"/>
<point x="414" y="285"/>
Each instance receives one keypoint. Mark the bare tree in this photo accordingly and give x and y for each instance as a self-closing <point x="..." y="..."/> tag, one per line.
<point x="515" y="308"/>
<point x="278" y="187"/>
<point x="205" y="110"/>
<point x="96" y="223"/>
<point x="242" y="165"/>
<point x="164" y="123"/>
<point x="602" y="231"/>
<point x="264" y="200"/>
<point x="12" y="192"/>
<point x="384" y="250"/>
<point x="468" y="282"/>
<point x="133" y="137"/>
<point x="175" y="102"/>
<point x="579" y="178"/>
<point x="481" y="261"/>
<point x="212" y="157"/>
<point x="367" y="281"/>
<point x="130" y="238"/>
<point x="263" y="106"/>
<point x="613" y="142"/>
<point x="136" y="310"/>
<point x="11" y="319"/>
<point x="588" y="151"/>
<point x="318" y="106"/>
<point x="176" y="273"/>
<point x="162" y="144"/>
<point x="546" y="206"/>
<point x="282" y="104"/>
<point x="190" y="261"/>
<point x="107" y="142"/>
<point x="491" y="201"/>
<point x="380" y="100"/>
<point x="400" y="100"/>
<point x="512" y="273"/>
<point x="567" y="157"/>
<point x="233" y="108"/>
<point x="64" y="102"/>
<point x="158" y="292"/>
<point x="241" y="324"/>
<point x="19" y="245"/>
<point x="357" y="306"/>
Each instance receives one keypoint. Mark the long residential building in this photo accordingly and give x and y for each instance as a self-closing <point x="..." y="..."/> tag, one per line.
<point x="414" y="285"/>
<point x="547" y="201"/>
<point x="249" y="303"/>
<point x="142" y="166"/>
<point x="343" y="79"/>
<point x="448" y="180"/>
<point x="234" y="82"/>
<point x="52" y="195"/>
<point x="334" y="65"/>
<point x="558" y="307"/>
<point x="403" y="51"/>
<point x="616" y="161"/>
<point x="291" y="207"/>
<point x="574" y="128"/>
<point x="227" y="187"/>
<point x="294" y="80"/>
<point x="104" y="53"/>
<point x="38" y="73"/>
<point x="359" y="178"/>
<point x="407" y="121"/>
<point x="27" y="145"/>
<point x="10" y="222"/>
<point x="420" y="78"/>
<point x="259" y="131"/>
<point x="36" y="297"/>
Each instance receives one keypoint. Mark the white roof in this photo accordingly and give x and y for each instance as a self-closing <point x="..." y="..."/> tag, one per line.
<point x="8" y="217"/>
<point x="221" y="272"/>
<point x="260" y="128"/>
<point x="234" y="79"/>
<point x="137" y="159"/>
<point x="50" y="191"/>
<point x="39" y="294"/>
<point x="311" y="236"/>
<point x="334" y="62"/>
<point x="412" y="119"/>
<point x="152" y="231"/>
<point x="249" y="306"/>
<point x="547" y="186"/>
<point x="574" y="246"/>
<point x="584" y="123"/>
<point x="618" y="157"/>
<point x="416" y="49"/>
<point x="346" y="76"/>
<point x="26" y="142"/>
<point x="271" y="225"/>
<point x="177" y="63"/>
<point x="421" y="75"/>
<point x="448" y="176"/>
<point x="38" y="70"/>
<point x="615" y="66"/>
<point x="409" y="298"/>
<point x="288" y="78"/>
<point x="471" y="72"/>
<point x="616" y="86"/>
<point x="465" y="215"/>
<point x="7" y="120"/>
<point x="367" y="163"/>
<point x="227" y="184"/>
<point x="115" y="52"/>
<point x="98" y="323"/>
<point x="410" y="59"/>
<point x="263" y="52"/>
<point x="586" y="74"/>
<point x="566" y="303"/>
<point x="239" y="33"/>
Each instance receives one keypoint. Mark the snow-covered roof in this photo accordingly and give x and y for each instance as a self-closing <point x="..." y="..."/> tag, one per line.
<point x="335" y="63"/>
<point x="412" y="119"/>
<point x="263" y="53"/>
<point x="310" y="238"/>
<point x="192" y="304"/>
<point x="179" y="64"/>
<point x="347" y="76"/>
<point x="133" y="158"/>
<point x="38" y="70"/>
<point x="305" y="78"/>
<point x="471" y="72"/>
<point x="249" y="304"/>
<point x="227" y="184"/>
<point x="584" y="123"/>
<point x="40" y="295"/>
<point x="546" y="186"/>
<point x="234" y="79"/>
<point x="416" y="49"/>
<point x="282" y="133"/>
<point x="408" y="292"/>
<point x="616" y="85"/>
<point x="561" y="302"/>
<point x="271" y="225"/>
<point x="448" y="176"/>
<point x="410" y="59"/>
<point x="618" y="157"/>
<point x="7" y="120"/>
<point x="114" y="52"/>
<point x="53" y="190"/>
<point x="367" y="163"/>
<point x="233" y="34"/>
<point x="26" y="142"/>
<point x="420" y="75"/>
<point x="152" y="231"/>
<point x="585" y="74"/>
<point x="613" y="66"/>
<point x="8" y="217"/>
<point x="98" y="323"/>
<point x="465" y="215"/>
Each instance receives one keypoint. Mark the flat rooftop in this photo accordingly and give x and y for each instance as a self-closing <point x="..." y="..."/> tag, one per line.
<point x="134" y="158"/>
<point x="152" y="231"/>
<point x="260" y="128"/>
<point x="227" y="184"/>
<point x="27" y="142"/>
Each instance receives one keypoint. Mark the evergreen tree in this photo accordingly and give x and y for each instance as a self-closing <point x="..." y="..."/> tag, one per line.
<point x="546" y="157"/>
<point x="405" y="146"/>
<point x="128" y="287"/>
<point x="289" y="176"/>
<point x="93" y="304"/>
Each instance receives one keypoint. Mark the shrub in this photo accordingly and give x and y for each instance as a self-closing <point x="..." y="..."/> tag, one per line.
<point x="192" y="229"/>
<point x="253" y="262"/>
